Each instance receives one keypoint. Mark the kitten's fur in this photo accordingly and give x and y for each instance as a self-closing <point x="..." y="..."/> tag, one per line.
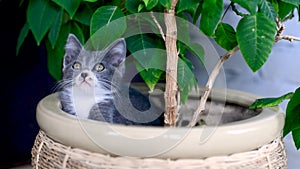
<point x="90" y="87"/>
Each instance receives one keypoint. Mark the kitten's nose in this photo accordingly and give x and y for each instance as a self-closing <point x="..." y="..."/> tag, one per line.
<point x="84" y="75"/>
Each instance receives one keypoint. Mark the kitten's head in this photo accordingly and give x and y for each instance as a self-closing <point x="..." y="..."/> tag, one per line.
<point x="88" y="69"/>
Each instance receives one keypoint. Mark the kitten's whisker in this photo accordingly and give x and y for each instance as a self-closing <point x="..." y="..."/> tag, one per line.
<point x="108" y="84"/>
<point x="61" y="84"/>
<point x="113" y="87"/>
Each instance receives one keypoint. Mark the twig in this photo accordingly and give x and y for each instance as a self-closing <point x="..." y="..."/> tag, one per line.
<point x="209" y="85"/>
<point x="158" y="26"/>
<point x="280" y="30"/>
<point x="279" y="25"/>
<point x="201" y="108"/>
<point x="287" y="37"/>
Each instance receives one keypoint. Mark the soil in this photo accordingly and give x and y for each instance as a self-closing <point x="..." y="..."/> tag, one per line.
<point x="216" y="113"/>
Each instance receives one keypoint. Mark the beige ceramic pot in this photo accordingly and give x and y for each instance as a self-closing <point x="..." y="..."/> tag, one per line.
<point x="163" y="142"/>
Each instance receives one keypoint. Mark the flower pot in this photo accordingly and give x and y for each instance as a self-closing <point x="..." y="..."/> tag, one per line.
<point x="256" y="139"/>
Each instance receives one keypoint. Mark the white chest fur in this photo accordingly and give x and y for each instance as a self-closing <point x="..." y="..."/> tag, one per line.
<point x="83" y="101"/>
<point x="85" y="98"/>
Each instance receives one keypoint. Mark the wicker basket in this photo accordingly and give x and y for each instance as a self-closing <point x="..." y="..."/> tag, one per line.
<point x="47" y="153"/>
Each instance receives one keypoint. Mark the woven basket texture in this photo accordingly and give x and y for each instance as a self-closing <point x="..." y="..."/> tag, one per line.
<point x="47" y="153"/>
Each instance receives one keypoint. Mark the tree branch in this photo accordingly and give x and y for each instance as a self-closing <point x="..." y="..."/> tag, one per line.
<point x="171" y="67"/>
<point x="211" y="80"/>
<point x="158" y="26"/>
<point x="201" y="108"/>
<point x="280" y="30"/>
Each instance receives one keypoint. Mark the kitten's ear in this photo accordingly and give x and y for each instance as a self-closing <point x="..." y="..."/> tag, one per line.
<point x="117" y="52"/>
<point x="72" y="49"/>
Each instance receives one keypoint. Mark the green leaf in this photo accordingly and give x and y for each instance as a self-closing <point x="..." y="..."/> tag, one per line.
<point x="187" y="5"/>
<point x="285" y="9"/>
<point x="181" y="48"/>
<point x="146" y="2"/>
<point x="296" y="137"/>
<point x="184" y="72"/>
<point x="144" y="50"/>
<point x="150" y="4"/>
<point x="132" y="5"/>
<point x="150" y="76"/>
<point x="298" y="15"/>
<point x="107" y="24"/>
<point x="117" y="3"/>
<point x="292" y="2"/>
<point x="197" y="12"/>
<point x="211" y="15"/>
<point x="90" y="0"/>
<point x="255" y="36"/>
<point x="182" y="26"/>
<point x="226" y="36"/>
<point x="76" y="30"/>
<point x="103" y="16"/>
<point x="165" y="3"/>
<point x="141" y="6"/>
<point x="40" y="16"/>
<point x="55" y="55"/>
<point x="150" y="60"/>
<point x="292" y="120"/>
<point x="197" y="50"/>
<point x="84" y="15"/>
<point x="23" y="34"/>
<point x="270" y="102"/>
<point x="150" y="65"/>
<point x="185" y="77"/>
<point x="143" y="23"/>
<point x="275" y="5"/>
<point x="55" y="28"/>
<point x="70" y="6"/>
<point x="184" y="93"/>
<point x="140" y="42"/>
<point x="268" y="9"/>
<point x="151" y="69"/>
<point x="250" y="6"/>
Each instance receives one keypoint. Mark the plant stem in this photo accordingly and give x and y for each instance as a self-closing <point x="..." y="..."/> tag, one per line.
<point x="209" y="85"/>
<point x="171" y="66"/>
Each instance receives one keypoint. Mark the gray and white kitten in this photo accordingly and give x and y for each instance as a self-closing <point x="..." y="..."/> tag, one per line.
<point x="91" y="86"/>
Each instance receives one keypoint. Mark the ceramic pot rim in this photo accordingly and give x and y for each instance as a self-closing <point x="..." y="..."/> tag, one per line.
<point x="161" y="142"/>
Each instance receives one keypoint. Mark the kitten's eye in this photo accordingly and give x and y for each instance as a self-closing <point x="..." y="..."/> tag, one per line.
<point x="99" y="67"/>
<point x="76" y="66"/>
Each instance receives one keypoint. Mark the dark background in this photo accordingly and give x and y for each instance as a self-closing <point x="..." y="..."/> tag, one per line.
<point x="24" y="81"/>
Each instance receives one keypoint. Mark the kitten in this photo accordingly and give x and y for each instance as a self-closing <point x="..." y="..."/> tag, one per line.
<point x="91" y="86"/>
